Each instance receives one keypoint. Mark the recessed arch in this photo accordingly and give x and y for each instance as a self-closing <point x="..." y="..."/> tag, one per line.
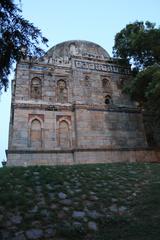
<point x="36" y="134"/>
<point x="64" y="134"/>
<point x="107" y="100"/>
<point x="106" y="85"/>
<point x="62" y="91"/>
<point x="36" y="88"/>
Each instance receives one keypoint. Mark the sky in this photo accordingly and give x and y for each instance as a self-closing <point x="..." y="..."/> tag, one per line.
<point x="92" y="20"/>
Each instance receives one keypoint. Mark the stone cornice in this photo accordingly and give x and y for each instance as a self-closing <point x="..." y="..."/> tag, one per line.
<point x="42" y="66"/>
<point x="73" y="107"/>
<point x="74" y="150"/>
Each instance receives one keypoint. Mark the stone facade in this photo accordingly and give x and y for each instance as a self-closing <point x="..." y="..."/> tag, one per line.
<point x="68" y="107"/>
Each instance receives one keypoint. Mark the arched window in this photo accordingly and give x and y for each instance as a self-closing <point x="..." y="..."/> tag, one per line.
<point x="36" y="134"/>
<point x="106" y="85"/>
<point x="36" y="88"/>
<point x="108" y="100"/>
<point x="64" y="136"/>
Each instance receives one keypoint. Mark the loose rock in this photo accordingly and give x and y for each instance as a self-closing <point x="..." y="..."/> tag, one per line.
<point x="113" y="208"/>
<point x="92" y="226"/>
<point x="67" y="202"/>
<point x="34" y="233"/>
<point x="78" y="214"/>
<point x="16" y="219"/>
<point x="93" y="214"/>
<point x="62" y="195"/>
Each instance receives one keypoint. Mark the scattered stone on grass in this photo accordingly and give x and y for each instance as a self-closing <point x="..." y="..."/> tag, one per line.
<point x="92" y="226"/>
<point x="51" y="195"/>
<point x="49" y="187"/>
<point x="77" y="224"/>
<point x="34" y="233"/>
<point x="53" y="206"/>
<point x="67" y="202"/>
<point x="49" y="232"/>
<point x="78" y="190"/>
<point x="66" y="209"/>
<point x="113" y="208"/>
<point x="78" y="214"/>
<point x="93" y="214"/>
<point x="16" y="219"/>
<point x="34" y="209"/>
<point x="39" y="189"/>
<point x="83" y="196"/>
<point x="70" y="192"/>
<point x="36" y="224"/>
<point x="61" y="214"/>
<point x="35" y="173"/>
<point x="88" y="203"/>
<point x="93" y="198"/>
<point x="92" y="193"/>
<point x="19" y="236"/>
<point x="62" y="195"/>
<point x="45" y="213"/>
<point x="122" y="210"/>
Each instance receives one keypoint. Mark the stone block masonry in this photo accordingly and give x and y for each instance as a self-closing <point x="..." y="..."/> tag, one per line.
<point x="69" y="108"/>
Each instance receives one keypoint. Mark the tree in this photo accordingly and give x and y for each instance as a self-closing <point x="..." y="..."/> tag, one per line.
<point x="139" y="44"/>
<point x="18" y="39"/>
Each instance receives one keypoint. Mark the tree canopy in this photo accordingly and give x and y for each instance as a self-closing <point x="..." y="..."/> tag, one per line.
<point x="18" y="39"/>
<point x="139" y="44"/>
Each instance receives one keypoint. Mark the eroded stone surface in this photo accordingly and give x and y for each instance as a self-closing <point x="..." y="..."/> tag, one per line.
<point x="75" y="84"/>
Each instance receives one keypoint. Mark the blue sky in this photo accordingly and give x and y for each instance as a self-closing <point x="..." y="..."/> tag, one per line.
<point x="93" y="20"/>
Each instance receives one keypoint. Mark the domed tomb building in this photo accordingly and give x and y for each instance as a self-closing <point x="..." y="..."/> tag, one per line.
<point x="68" y="107"/>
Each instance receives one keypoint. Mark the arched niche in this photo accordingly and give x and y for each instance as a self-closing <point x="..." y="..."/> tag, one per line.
<point x="62" y="91"/>
<point x="107" y="100"/>
<point x="36" y="133"/>
<point x="36" y="88"/>
<point x="106" y="85"/>
<point x="64" y="134"/>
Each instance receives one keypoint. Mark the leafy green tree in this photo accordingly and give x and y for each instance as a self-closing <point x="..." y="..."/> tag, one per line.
<point x="139" y="44"/>
<point x="18" y="39"/>
<point x="145" y="87"/>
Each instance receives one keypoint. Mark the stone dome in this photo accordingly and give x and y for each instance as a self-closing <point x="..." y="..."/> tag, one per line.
<point x="78" y="48"/>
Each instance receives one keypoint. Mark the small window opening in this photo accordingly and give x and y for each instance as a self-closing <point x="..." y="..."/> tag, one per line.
<point x="107" y="100"/>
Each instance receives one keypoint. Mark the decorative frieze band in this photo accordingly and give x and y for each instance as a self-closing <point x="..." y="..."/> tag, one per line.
<point x="102" y="67"/>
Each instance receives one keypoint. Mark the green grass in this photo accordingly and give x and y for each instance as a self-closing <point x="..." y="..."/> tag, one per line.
<point x="125" y="197"/>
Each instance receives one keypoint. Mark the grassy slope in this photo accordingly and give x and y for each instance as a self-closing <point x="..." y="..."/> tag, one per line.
<point x="123" y="200"/>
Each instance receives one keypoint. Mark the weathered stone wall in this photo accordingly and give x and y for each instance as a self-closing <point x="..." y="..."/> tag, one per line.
<point x="101" y="128"/>
<point x="21" y="138"/>
<point x="69" y="102"/>
<point x="81" y="156"/>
